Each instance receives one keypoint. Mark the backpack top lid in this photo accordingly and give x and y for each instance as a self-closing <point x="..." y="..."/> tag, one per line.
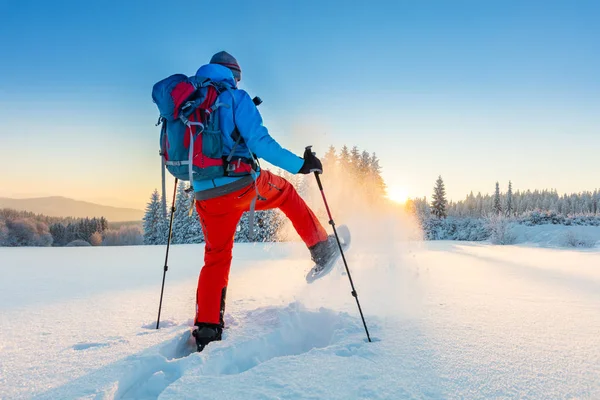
<point x="171" y="93"/>
<point x="217" y="73"/>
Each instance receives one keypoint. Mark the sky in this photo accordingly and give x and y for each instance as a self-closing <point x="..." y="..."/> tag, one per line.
<point x="476" y="92"/>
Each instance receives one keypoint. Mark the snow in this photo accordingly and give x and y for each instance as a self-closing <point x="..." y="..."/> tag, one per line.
<point x="448" y="320"/>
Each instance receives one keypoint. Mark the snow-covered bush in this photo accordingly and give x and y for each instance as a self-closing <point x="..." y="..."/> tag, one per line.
<point x="500" y="229"/>
<point x="96" y="239"/>
<point x="125" y="236"/>
<point x="572" y="239"/>
<point x="537" y="217"/>
<point x="78" y="243"/>
<point x="436" y="229"/>
<point x="584" y="220"/>
<point x="471" y="229"/>
<point x="27" y="232"/>
<point x="3" y="233"/>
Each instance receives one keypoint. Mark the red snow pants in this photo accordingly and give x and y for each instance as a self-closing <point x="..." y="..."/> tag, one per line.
<point x="219" y="218"/>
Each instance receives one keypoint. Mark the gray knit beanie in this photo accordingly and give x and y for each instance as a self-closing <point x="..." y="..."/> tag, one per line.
<point x="229" y="61"/>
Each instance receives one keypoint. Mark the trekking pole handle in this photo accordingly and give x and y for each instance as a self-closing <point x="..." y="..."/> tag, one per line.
<point x="315" y="172"/>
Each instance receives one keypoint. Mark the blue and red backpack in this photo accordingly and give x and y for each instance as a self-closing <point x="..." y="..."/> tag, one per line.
<point x="191" y="140"/>
<point x="191" y="129"/>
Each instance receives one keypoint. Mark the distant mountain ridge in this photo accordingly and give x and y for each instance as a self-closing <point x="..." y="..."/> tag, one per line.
<point x="57" y="206"/>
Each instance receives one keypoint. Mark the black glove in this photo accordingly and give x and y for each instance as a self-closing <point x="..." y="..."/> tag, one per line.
<point x="311" y="163"/>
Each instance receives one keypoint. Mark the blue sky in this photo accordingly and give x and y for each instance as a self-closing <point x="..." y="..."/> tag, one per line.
<point x="476" y="91"/>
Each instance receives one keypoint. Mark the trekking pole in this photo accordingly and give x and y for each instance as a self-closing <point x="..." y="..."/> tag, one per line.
<point x="332" y="223"/>
<point x="166" y="268"/>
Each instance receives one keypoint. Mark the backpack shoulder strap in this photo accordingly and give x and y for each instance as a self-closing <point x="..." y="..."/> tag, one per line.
<point x="163" y="166"/>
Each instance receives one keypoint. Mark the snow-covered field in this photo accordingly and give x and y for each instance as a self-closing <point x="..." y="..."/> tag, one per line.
<point x="448" y="319"/>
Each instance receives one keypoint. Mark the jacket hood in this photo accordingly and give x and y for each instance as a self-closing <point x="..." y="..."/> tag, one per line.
<point x="216" y="73"/>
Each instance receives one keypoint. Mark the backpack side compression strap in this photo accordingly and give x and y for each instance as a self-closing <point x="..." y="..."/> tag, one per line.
<point x="163" y="168"/>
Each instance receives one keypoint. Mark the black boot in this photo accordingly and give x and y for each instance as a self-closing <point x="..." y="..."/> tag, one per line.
<point x="206" y="333"/>
<point x="322" y="252"/>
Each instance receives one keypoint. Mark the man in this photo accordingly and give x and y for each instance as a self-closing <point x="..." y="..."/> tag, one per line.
<point x="221" y="202"/>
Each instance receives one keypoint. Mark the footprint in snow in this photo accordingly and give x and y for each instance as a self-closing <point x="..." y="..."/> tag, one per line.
<point x="163" y="324"/>
<point x="85" y="346"/>
<point x="281" y="332"/>
<point x="150" y="374"/>
<point x="91" y="345"/>
<point x="290" y="331"/>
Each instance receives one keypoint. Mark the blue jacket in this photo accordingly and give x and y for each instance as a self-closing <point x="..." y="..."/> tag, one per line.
<point x="250" y="125"/>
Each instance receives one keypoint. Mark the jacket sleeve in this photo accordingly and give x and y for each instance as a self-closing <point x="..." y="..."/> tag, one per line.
<point x="250" y="125"/>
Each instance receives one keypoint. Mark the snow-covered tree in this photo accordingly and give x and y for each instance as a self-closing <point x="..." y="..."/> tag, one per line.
<point x="439" y="202"/>
<point x="509" y="200"/>
<point x="329" y="160"/>
<point x="103" y="224"/>
<point x="375" y="177"/>
<point x="3" y="233"/>
<point x="125" y="236"/>
<point x="355" y="158"/>
<point x="364" y="165"/>
<point x="194" y="229"/>
<point x="154" y="221"/>
<point x="180" y="219"/>
<point x="479" y="205"/>
<point x="27" y="232"/>
<point x="420" y="207"/>
<point x="268" y="223"/>
<point x="59" y="234"/>
<point x="344" y="159"/>
<point x="497" y="204"/>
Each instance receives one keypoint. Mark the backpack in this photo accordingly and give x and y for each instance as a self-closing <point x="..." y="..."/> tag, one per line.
<point x="191" y="129"/>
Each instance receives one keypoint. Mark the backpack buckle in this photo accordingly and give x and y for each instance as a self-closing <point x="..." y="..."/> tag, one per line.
<point x="231" y="167"/>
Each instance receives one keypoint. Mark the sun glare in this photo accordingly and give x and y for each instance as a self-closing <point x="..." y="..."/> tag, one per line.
<point x="397" y="194"/>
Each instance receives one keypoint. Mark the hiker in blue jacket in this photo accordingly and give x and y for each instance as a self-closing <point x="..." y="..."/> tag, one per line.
<point x="220" y="202"/>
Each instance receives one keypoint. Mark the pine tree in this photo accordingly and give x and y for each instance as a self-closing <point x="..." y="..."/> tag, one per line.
<point x="304" y="184"/>
<point x="424" y="209"/>
<point x="3" y="233"/>
<point x="497" y="208"/>
<point x="242" y="232"/>
<point x="103" y="224"/>
<point x="471" y="205"/>
<point x="377" y="180"/>
<point x="181" y="211"/>
<point x="509" y="201"/>
<point x="364" y="165"/>
<point x="344" y="159"/>
<point x="268" y="223"/>
<point x="439" y="202"/>
<point x="154" y="221"/>
<point x="329" y="160"/>
<point x="194" y="231"/>
<point x="186" y="226"/>
<point x="59" y="234"/>
<point x="355" y="160"/>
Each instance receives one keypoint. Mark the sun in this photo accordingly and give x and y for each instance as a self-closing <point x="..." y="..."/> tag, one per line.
<point x="397" y="194"/>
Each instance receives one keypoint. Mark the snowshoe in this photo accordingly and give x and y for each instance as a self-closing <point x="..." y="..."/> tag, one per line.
<point x="206" y="333"/>
<point x="326" y="253"/>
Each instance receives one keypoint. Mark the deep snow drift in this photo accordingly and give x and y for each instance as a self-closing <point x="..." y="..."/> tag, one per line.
<point x="449" y="320"/>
